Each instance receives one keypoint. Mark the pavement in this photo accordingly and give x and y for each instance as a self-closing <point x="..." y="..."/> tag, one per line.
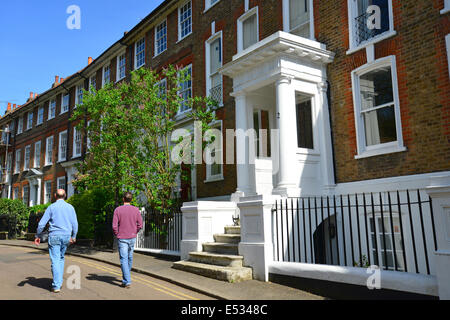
<point x="161" y="268"/>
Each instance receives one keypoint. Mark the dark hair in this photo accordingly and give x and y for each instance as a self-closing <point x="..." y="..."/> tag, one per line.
<point x="127" y="197"/>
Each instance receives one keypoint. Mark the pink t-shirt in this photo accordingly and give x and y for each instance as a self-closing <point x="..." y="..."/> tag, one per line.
<point x="127" y="222"/>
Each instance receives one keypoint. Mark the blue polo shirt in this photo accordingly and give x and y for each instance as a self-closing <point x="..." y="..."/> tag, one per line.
<point x="62" y="219"/>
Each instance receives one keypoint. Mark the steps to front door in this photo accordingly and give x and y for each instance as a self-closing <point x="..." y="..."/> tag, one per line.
<point x="220" y="259"/>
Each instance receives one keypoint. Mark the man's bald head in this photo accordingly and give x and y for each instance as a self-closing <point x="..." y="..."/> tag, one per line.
<point x="60" y="194"/>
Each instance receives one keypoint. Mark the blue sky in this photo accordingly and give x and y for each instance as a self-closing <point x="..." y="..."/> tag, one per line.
<point x="36" y="45"/>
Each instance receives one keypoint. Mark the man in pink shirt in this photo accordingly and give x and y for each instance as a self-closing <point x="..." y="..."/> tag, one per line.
<point x="127" y="222"/>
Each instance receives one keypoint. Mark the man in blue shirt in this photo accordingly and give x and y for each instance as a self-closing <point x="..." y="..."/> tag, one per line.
<point x="63" y="230"/>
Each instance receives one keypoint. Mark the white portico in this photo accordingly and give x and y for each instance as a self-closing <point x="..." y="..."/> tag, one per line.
<point x="280" y="90"/>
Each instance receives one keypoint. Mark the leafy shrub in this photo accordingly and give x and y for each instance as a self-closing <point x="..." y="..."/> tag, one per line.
<point x="17" y="215"/>
<point x="90" y="206"/>
<point x="36" y="213"/>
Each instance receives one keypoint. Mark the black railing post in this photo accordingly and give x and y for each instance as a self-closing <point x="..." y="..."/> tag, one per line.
<point x="401" y="230"/>
<point x="412" y="231"/>
<point x="343" y="231"/>
<point x="304" y="229"/>
<point x="392" y="232"/>
<point x="384" y="232"/>
<point x="375" y="229"/>
<point x="423" y="232"/>
<point x="367" y="229"/>
<point x="359" y="231"/>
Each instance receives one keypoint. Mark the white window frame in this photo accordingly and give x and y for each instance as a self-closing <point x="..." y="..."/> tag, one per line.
<point x="92" y="79"/>
<point x="50" y="115"/>
<point x="27" y="192"/>
<point x="48" y="193"/>
<point x="63" y="110"/>
<point x="37" y="154"/>
<point x="49" y="157"/>
<point x="27" y="158"/>
<point x="30" y="125"/>
<point x="158" y="50"/>
<point x="446" y="7"/>
<point x="191" y="89"/>
<point x="180" y="29"/>
<point x="40" y="116"/>
<point x="286" y="18"/>
<point x="208" y="44"/>
<point x="62" y="154"/>
<point x="210" y="3"/>
<point x="9" y="162"/>
<point x="108" y="66"/>
<point x="88" y="141"/>
<point x="17" y="161"/>
<point x="58" y="183"/>
<point x="240" y="27"/>
<point x="16" y="193"/>
<point x="124" y="56"/>
<point x="20" y="125"/>
<point x="77" y="133"/>
<point x="79" y="92"/>
<point x="136" y="66"/>
<point x="218" y="125"/>
<point x="352" y="14"/>
<point x="384" y="148"/>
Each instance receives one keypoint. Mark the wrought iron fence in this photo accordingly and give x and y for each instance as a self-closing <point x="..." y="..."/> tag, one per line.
<point x="363" y="33"/>
<point x="393" y="230"/>
<point x="160" y="231"/>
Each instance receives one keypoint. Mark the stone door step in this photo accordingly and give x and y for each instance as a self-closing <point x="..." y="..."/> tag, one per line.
<point x="221" y="248"/>
<point x="223" y="260"/>
<point x="230" y="274"/>
<point x="233" y="230"/>
<point x="227" y="238"/>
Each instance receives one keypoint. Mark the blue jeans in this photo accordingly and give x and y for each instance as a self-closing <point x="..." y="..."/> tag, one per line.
<point x="57" y="246"/>
<point x="126" y="249"/>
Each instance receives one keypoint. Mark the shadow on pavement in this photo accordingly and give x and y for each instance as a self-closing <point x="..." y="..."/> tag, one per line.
<point x="107" y="279"/>
<point x="42" y="283"/>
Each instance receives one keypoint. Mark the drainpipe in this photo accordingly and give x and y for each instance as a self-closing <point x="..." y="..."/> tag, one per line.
<point x="331" y="129"/>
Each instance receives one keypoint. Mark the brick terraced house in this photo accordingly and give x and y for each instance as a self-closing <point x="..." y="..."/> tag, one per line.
<point x="340" y="107"/>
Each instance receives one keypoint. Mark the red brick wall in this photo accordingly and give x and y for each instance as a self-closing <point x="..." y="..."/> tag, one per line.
<point x="423" y="86"/>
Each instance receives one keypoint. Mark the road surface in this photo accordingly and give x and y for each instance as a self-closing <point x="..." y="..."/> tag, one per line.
<point x="26" y="275"/>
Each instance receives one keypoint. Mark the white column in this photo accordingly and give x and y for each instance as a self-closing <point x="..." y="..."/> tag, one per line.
<point x="287" y="126"/>
<point x="245" y="166"/>
<point x="439" y="191"/>
<point x="326" y="150"/>
<point x="39" y="188"/>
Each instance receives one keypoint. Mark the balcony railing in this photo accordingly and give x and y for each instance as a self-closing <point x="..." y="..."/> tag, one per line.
<point x="216" y="93"/>
<point x="363" y="32"/>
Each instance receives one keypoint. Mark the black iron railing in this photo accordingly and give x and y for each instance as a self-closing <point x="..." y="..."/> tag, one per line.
<point x="393" y="230"/>
<point x="160" y="231"/>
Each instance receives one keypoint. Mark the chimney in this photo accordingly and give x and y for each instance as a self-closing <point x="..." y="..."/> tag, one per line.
<point x="14" y="106"/>
<point x="9" y="107"/>
<point x="31" y="95"/>
<point x="35" y="95"/>
<point x="56" y="81"/>
<point x="61" y="80"/>
<point x="90" y="60"/>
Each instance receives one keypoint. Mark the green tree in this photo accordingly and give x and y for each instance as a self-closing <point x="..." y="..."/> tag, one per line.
<point x="130" y="133"/>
